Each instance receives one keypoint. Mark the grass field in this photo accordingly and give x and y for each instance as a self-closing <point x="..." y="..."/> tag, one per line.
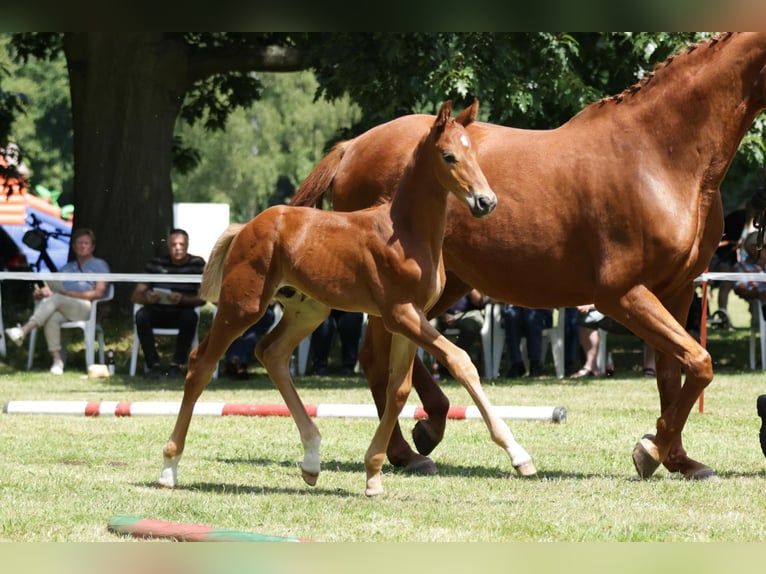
<point x="62" y="478"/>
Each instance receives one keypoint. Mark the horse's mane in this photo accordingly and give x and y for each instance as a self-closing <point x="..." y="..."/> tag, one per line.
<point x="658" y="68"/>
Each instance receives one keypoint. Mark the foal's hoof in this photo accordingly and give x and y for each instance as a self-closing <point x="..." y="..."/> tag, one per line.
<point x="424" y="441"/>
<point x="422" y="467"/>
<point x="309" y="478"/>
<point x="646" y="457"/>
<point x="526" y="469"/>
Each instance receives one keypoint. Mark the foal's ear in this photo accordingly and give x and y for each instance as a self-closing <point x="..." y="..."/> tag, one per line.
<point x="445" y="113"/>
<point x="469" y="114"/>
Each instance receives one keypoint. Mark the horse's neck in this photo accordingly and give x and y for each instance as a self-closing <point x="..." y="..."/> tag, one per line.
<point x="419" y="206"/>
<point x="702" y="103"/>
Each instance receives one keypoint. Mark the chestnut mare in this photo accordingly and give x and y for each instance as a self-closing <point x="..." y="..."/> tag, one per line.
<point x="385" y="261"/>
<point x="620" y="207"/>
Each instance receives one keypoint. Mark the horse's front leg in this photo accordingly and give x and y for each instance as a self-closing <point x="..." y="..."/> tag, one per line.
<point x="401" y="357"/>
<point x="301" y="316"/>
<point x="459" y="364"/>
<point x="374" y="361"/>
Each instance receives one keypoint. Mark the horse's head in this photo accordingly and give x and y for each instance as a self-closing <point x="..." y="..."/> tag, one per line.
<point x="458" y="163"/>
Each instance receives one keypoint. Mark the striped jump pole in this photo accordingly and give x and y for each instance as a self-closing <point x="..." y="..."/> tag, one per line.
<point x="149" y="528"/>
<point x="131" y="409"/>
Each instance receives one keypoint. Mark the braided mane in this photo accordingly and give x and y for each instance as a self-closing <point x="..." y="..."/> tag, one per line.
<point x="632" y="90"/>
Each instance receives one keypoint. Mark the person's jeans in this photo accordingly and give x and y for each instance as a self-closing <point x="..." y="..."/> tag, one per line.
<point x="523" y="322"/>
<point x="150" y="317"/>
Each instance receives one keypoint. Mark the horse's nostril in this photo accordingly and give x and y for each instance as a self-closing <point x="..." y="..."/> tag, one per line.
<point x="485" y="203"/>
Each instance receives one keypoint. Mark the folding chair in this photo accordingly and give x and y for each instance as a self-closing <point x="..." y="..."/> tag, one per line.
<point x="91" y="329"/>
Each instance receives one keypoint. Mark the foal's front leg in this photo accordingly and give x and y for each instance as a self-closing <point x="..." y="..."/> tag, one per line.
<point x="459" y="364"/>
<point x="401" y="358"/>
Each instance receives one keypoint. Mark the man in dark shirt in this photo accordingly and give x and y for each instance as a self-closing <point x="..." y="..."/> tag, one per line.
<point x="169" y="305"/>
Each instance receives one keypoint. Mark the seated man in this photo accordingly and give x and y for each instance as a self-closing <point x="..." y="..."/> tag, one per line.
<point x="467" y="316"/>
<point x="349" y="327"/>
<point x="169" y="305"/>
<point x="521" y="322"/>
<point x="242" y="349"/>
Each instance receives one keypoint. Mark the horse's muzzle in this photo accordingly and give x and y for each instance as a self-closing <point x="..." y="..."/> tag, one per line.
<point x="482" y="204"/>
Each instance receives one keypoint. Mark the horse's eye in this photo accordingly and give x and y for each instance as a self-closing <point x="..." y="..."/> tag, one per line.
<point x="449" y="157"/>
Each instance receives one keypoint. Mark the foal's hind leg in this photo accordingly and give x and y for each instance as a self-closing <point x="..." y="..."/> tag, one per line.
<point x="301" y="316"/>
<point x="202" y="363"/>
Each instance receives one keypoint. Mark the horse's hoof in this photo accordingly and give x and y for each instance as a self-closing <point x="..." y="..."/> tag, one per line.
<point x="169" y="475"/>
<point x="374" y="486"/>
<point x="646" y="457"/>
<point x="703" y="473"/>
<point x="526" y="469"/>
<point x="424" y="441"/>
<point x="309" y="478"/>
<point x="422" y="467"/>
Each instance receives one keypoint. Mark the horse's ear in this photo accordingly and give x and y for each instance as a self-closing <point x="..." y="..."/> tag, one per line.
<point x="469" y="114"/>
<point x="445" y="113"/>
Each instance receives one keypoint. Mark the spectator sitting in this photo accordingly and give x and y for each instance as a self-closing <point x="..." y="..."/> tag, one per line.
<point x="349" y="327"/>
<point x="242" y="349"/>
<point x="169" y="305"/>
<point x="69" y="301"/>
<point x="754" y="261"/>
<point x="467" y="316"/>
<point x="523" y="322"/>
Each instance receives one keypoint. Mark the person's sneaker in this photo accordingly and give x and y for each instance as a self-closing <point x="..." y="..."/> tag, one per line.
<point x="761" y="407"/>
<point x="154" y="372"/>
<point x="57" y="368"/>
<point x="174" y="372"/>
<point x="15" y="334"/>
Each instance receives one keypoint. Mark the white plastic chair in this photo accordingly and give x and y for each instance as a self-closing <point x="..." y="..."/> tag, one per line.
<point x="91" y="330"/>
<point x="757" y="328"/>
<point x="493" y="341"/>
<point x="161" y="331"/>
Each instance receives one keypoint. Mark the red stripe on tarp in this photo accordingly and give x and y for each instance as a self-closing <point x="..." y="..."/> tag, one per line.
<point x="122" y="409"/>
<point x="92" y="409"/>
<point x="149" y="528"/>
<point x="420" y="413"/>
<point x="456" y="412"/>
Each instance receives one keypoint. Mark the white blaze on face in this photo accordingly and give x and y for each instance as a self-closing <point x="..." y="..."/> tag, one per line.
<point x="465" y="141"/>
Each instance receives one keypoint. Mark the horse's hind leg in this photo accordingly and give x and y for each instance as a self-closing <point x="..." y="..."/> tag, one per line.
<point x="374" y="360"/>
<point x="202" y="363"/>
<point x="647" y="317"/>
<point x="301" y="316"/>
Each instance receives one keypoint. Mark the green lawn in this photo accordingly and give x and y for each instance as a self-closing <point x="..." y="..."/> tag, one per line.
<point x="62" y="478"/>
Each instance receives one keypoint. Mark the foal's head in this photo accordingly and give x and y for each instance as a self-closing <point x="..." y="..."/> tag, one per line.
<point x="457" y="167"/>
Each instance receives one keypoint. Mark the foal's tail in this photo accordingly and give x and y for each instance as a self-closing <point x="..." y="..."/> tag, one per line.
<point x="313" y="188"/>
<point x="212" y="277"/>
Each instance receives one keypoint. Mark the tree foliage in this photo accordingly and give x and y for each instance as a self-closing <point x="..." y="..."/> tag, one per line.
<point x="264" y="151"/>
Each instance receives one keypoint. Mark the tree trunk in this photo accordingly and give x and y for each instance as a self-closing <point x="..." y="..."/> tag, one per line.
<point x="126" y="88"/>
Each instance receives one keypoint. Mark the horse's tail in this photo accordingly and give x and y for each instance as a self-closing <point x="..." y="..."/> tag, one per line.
<point x="313" y="188"/>
<point x="212" y="277"/>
